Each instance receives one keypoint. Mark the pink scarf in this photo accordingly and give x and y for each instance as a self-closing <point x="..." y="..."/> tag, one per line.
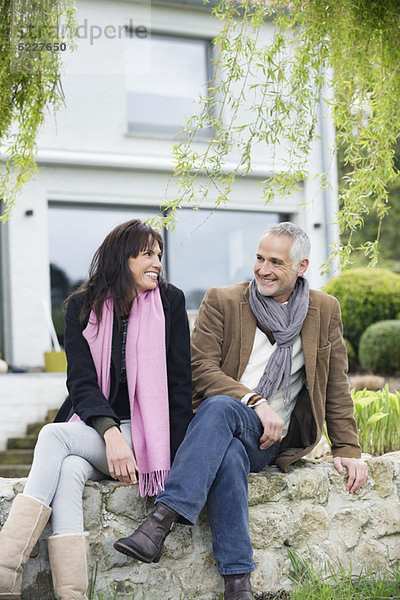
<point x="147" y="382"/>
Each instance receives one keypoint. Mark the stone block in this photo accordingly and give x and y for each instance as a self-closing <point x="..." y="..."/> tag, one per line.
<point x="267" y="486"/>
<point x="348" y="524"/>
<point x="307" y="482"/>
<point x="392" y="544"/>
<point x="382" y="471"/>
<point x="370" y="555"/>
<point x="200" y="579"/>
<point x="337" y="557"/>
<point x="273" y="570"/>
<point x="310" y="525"/>
<point x="269" y="526"/>
<point x="179" y="543"/>
<point x="92" y="506"/>
<point x="385" y="519"/>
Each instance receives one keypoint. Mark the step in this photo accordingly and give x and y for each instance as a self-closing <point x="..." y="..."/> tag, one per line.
<point x="22" y="443"/>
<point x="16" y="457"/>
<point x="14" y="470"/>
<point x="34" y="428"/>
<point x="51" y="415"/>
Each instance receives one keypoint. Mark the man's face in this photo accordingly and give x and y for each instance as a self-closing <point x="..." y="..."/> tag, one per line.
<point x="273" y="271"/>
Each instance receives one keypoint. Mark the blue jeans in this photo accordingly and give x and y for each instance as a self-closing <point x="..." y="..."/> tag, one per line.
<point x="220" y="448"/>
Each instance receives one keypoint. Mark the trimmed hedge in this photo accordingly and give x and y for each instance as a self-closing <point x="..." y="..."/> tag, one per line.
<point x="366" y="295"/>
<point x="379" y="349"/>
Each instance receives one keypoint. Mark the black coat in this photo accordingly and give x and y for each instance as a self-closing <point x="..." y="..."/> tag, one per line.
<point x="85" y="397"/>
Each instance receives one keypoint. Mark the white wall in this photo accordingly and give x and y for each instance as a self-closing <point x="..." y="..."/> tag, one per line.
<point x="94" y="117"/>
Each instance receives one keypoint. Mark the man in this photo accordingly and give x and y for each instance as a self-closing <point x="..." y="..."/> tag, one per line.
<point x="269" y="358"/>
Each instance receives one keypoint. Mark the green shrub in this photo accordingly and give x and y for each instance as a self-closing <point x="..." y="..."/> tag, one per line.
<point x="379" y="349"/>
<point x="351" y="353"/>
<point x="366" y="295"/>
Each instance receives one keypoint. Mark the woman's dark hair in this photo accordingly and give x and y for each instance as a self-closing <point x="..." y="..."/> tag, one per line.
<point x="109" y="273"/>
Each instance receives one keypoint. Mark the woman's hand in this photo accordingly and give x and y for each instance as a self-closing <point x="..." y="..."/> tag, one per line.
<point x="120" y="458"/>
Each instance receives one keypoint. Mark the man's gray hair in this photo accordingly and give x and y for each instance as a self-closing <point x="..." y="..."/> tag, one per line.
<point x="301" y="244"/>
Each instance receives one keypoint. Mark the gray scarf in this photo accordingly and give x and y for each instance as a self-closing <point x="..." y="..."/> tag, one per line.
<point x="285" y="322"/>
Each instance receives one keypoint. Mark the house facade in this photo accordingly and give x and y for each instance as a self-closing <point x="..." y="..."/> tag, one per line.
<point x="105" y="157"/>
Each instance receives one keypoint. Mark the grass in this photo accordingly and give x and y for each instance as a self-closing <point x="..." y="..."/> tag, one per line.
<point x="340" y="586"/>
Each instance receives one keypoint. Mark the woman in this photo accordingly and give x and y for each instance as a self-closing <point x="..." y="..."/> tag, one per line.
<point x="129" y="404"/>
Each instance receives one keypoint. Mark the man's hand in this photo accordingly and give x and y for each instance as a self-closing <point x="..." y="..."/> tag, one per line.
<point x="272" y="423"/>
<point x="357" y="470"/>
<point x="120" y="458"/>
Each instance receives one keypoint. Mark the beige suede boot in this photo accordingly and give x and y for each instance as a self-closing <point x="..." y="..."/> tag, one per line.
<point x="21" y="531"/>
<point x="69" y="565"/>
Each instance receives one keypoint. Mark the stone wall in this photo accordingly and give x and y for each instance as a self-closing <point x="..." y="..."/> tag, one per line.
<point x="307" y="509"/>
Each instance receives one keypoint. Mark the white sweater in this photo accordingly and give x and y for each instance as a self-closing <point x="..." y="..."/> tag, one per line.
<point x="260" y="354"/>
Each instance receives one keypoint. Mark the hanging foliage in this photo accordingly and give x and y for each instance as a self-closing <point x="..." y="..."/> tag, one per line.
<point x="34" y="36"/>
<point x="265" y="97"/>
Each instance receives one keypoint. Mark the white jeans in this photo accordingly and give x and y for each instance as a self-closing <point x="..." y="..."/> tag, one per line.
<point x="66" y="456"/>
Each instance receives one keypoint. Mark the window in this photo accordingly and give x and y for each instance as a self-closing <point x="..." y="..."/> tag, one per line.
<point x="212" y="248"/>
<point x="206" y="248"/>
<point x="164" y="77"/>
<point x="71" y="254"/>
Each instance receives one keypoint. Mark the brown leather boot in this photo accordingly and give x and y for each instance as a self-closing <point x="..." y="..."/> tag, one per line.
<point x="146" y="543"/>
<point x="238" y="587"/>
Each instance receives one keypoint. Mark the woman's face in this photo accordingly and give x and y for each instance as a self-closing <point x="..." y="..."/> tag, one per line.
<point x="146" y="267"/>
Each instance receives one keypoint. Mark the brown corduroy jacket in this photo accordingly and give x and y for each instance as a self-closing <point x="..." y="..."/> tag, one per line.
<point x="222" y="341"/>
